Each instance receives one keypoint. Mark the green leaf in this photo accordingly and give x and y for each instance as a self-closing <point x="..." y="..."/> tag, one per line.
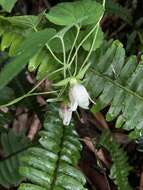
<point x="44" y="68"/>
<point x="86" y="11"/>
<point x="29" y="47"/>
<point x="6" y="41"/>
<point x="7" y="5"/>
<point x="99" y="39"/>
<point x="136" y="134"/>
<point x="11" y="40"/>
<point x="14" y="145"/>
<point x="83" y="71"/>
<point x="15" y="29"/>
<point x="68" y="38"/>
<point x="6" y="94"/>
<point x="35" y="61"/>
<point x="27" y="21"/>
<point x="47" y="66"/>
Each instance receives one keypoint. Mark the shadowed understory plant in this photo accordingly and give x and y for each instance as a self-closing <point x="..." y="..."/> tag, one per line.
<point x="67" y="44"/>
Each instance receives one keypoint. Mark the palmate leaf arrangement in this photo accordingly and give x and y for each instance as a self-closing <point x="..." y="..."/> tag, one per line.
<point x="74" y="55"/>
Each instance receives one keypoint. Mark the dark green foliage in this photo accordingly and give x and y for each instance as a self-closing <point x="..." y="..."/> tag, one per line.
<point x="120" y="168"/>
<point x="118" y="82"/>
<point x="116" y="9"/>
<point x="6" y="95"/>
<point x="136" y="134"/>
<point x="13" y="30"/>
<point x="51" y="165"/>
<point x="36" y="40"/>
<point x="13" y="146"/>
<point x="43" y="63"/>
<point x="27" y="27"/>
<point x="5" y="118"/>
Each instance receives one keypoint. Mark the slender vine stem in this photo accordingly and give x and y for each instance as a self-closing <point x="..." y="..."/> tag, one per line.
<point x="80" y="44"/>
<point x="25" y="96"/>
<point x="73" y="45"/>
<point x="54" y="56"/>
<point x="93" y="42"/>
<point x="75" y="71"/>
<point x="64" y="56"/>
<point x="91" y="48"/>
<point x="30" y="92"/>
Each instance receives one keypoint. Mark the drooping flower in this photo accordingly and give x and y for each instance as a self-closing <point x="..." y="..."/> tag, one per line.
<point x="66" y="114"/>
<point x="78" y="96"/>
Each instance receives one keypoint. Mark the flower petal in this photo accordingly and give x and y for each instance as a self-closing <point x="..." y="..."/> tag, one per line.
<point x="65" y="114"/>
<point x="67" y="117"/>
<point x="78" y="96"/>
<point x="82" y="96"/>
<point x="73" y="104"/>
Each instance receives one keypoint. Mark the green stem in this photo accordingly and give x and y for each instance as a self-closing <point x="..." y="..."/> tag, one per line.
<point x="56" y="71"/>
<point x="25" y="96"/>
<point x="30" y="92"/>
<point x="95" y="36"/>
<point x="73" y="45"/>
<point x="54" y="56"/>
<point x="64" y="56"/>
<point x="75" y="71"/>
<point x="62" y="91"/>
<point x="84" y="39"/>
<point x="91" y="48"/>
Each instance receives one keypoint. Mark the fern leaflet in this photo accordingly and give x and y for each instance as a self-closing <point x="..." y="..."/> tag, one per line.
<point x="120" y="169"/>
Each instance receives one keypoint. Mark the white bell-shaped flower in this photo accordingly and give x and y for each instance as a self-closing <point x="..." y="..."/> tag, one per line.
<point x="66" y="114"/>
<point x="78" y="96"/>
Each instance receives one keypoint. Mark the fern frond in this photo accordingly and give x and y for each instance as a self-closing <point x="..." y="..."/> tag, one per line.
<point x="118" y="83"/>
<point x="120" y="168"/>
<point x="14" y="146"/>
<point x="52" y="164"/>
